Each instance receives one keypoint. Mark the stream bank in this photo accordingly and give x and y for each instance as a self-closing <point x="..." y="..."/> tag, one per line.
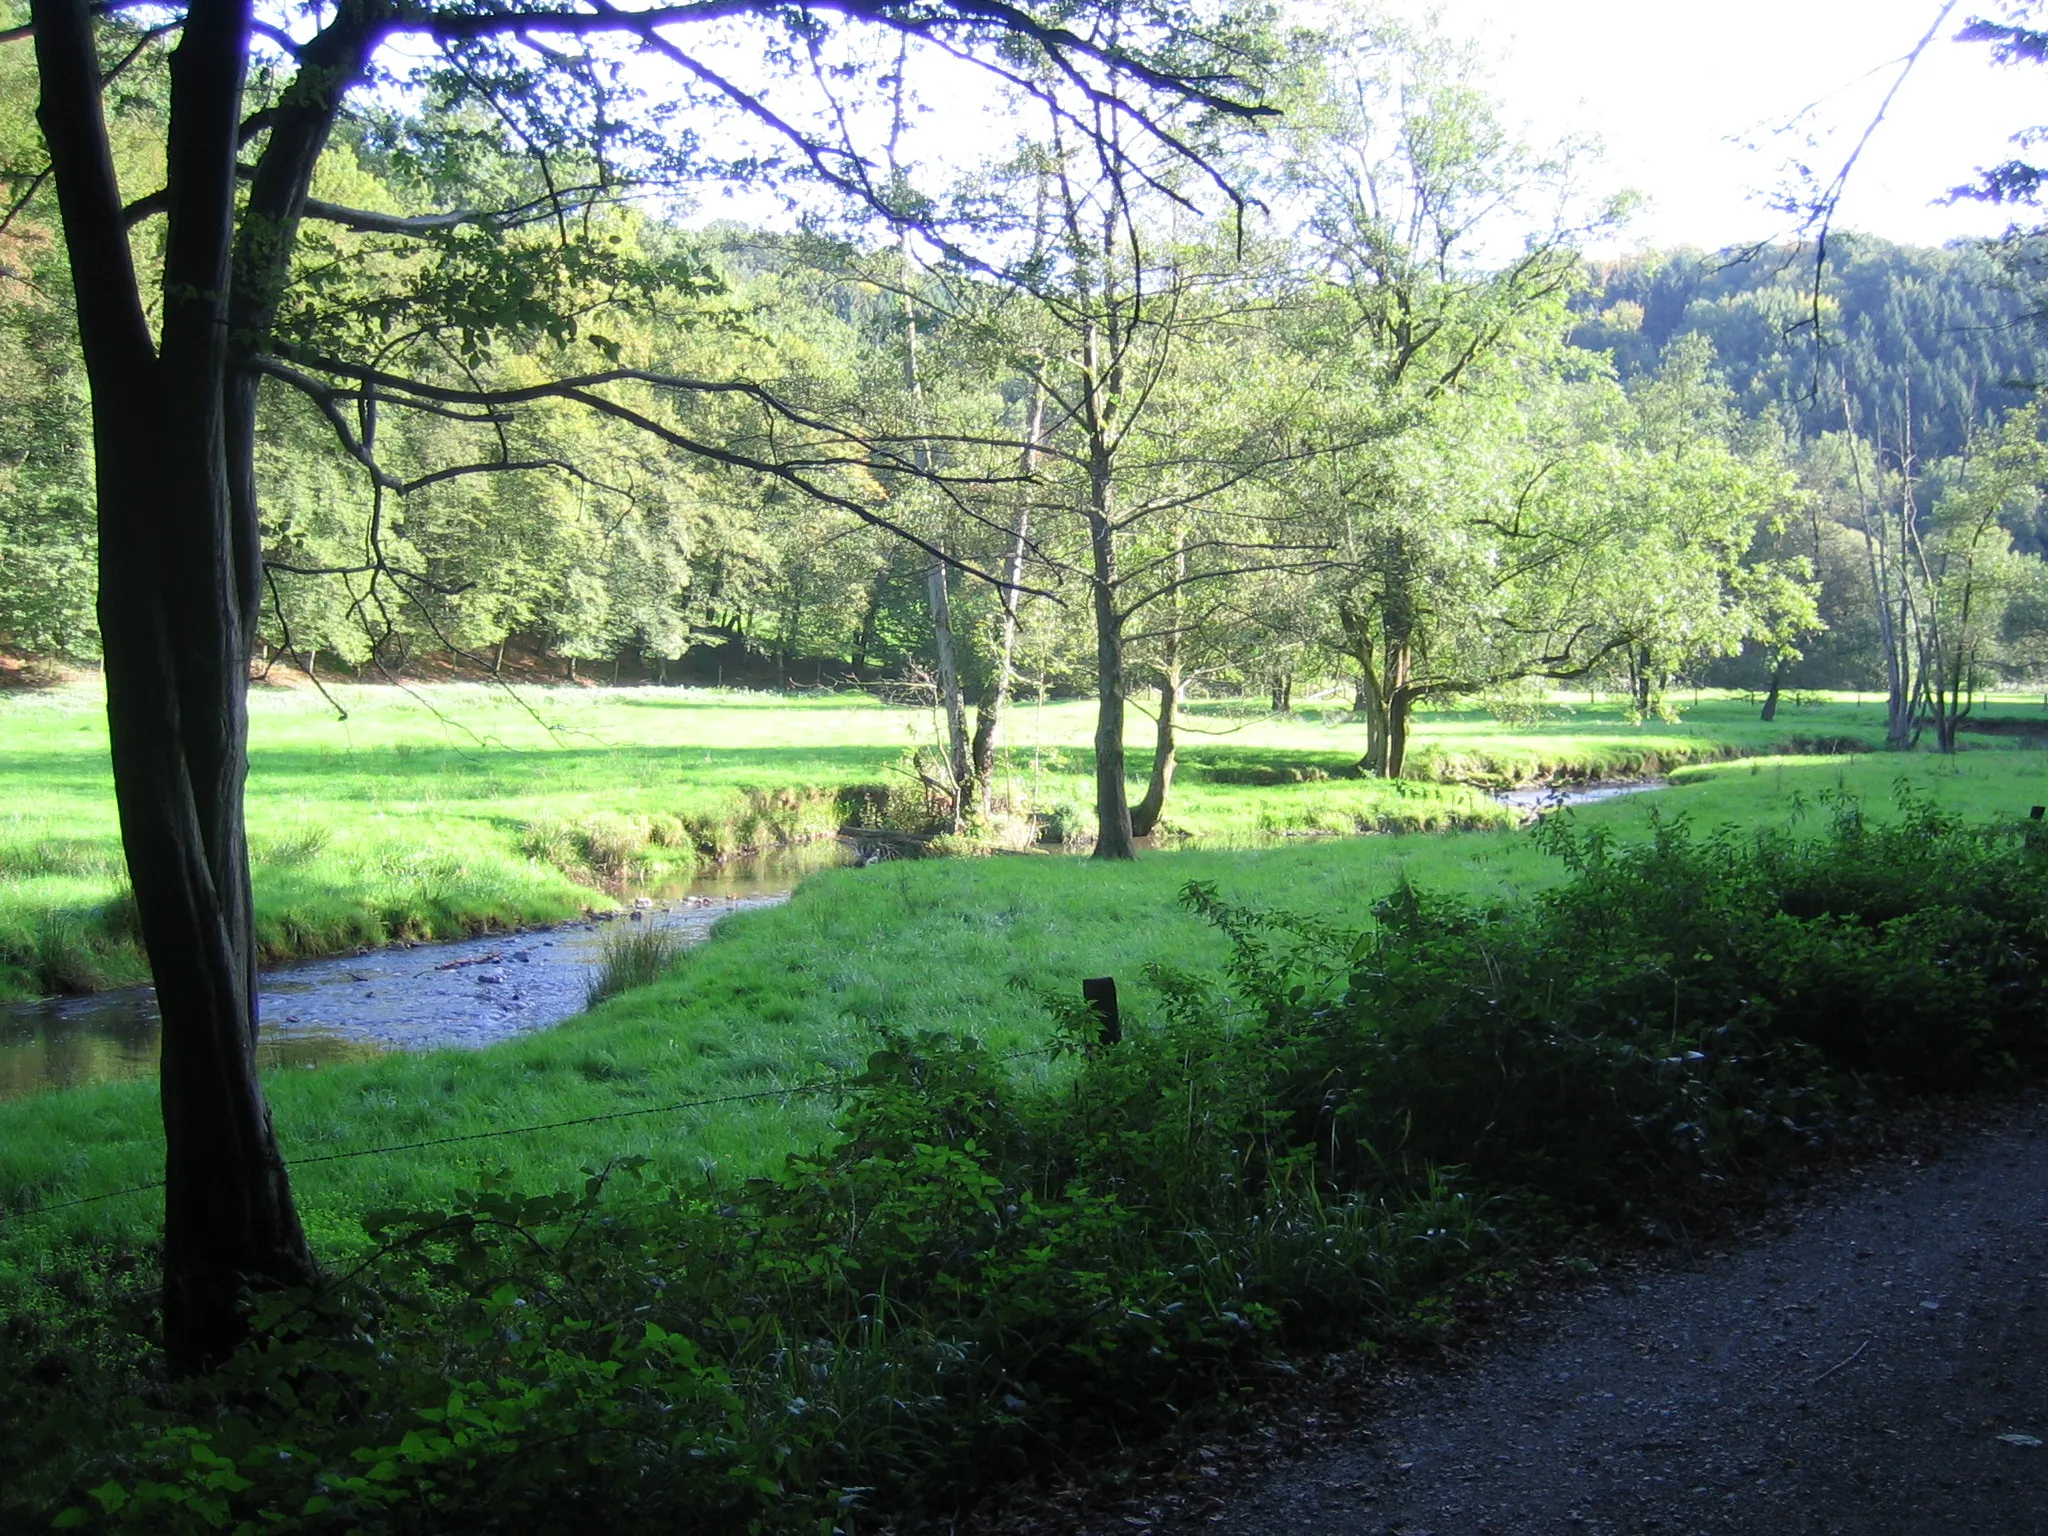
<point x="463" y="993"/>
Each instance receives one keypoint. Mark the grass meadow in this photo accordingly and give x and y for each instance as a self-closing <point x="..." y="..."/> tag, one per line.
<point x="798" y="993"/>
<point x="446" y="810"/>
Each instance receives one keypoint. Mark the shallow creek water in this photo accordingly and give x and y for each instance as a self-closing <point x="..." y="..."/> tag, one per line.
<point x="418" y="997"/>
<point x="1543" y="797"/>
<point x="421" y="997"/>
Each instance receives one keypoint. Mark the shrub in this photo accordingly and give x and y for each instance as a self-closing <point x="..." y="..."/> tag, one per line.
<point x="602" y="849"/>
<point x="553" y="843"/>
<point x="612" y="846"/>
<point x="632" y="954"/>
<point x="292" y="849"/>
<point x="1355" y="1130"/>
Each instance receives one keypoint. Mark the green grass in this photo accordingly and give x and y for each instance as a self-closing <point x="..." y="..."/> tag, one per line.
<point x="792" y="994"/>
<point x="453" y="809"/>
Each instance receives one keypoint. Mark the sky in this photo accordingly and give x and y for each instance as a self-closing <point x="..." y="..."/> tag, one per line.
<point x="1689" y="100"/>
<point x="1672" y="88"/>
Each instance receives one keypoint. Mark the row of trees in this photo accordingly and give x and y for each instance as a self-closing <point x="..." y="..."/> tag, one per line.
<point x="1094" y="425"/>
<point x="1337" y="406"/>
<point x="1249" y="352"/>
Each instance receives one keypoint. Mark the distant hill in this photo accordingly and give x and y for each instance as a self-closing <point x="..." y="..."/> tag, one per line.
<point x="1939" y="328"/>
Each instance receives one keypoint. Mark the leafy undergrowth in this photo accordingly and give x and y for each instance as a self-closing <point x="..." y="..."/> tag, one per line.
<point x="1331" y="1149"/>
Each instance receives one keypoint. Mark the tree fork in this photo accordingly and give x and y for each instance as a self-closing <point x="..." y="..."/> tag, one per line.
<point x="177" y="607"/>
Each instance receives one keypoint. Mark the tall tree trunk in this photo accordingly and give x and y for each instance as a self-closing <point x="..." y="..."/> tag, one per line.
<point x="937" y="594"/>
<point x="1778" y="670"/>
<point x="1368" y="698"/>
<point x="180" y="578"/>
<point x="950" y="700"/>
<point x="1400" y="705"/>
<point x="864" y="640"/>
<point x="1884" y="568"/>
<point x="1113" y="836"/>
<point x="1145" y="814"/>
<point x="995" y="689"/>
<point x="1398" y="700"/>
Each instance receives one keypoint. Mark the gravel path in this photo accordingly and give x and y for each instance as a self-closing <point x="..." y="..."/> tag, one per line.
<point x="1879" y="1365"/>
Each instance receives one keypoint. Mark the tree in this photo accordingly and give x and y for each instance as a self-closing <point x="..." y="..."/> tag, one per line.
<point x="1970" y="571"/>
<point x="1411" y="187"/>
<point x="178" y="358"/>
<point x="1945" y="328"/>
<point x="1941" y="568"/>
<point x="1161" y="399"/>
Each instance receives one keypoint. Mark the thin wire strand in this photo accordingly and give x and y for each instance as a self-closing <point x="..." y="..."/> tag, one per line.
<point x="820" y="1085"/>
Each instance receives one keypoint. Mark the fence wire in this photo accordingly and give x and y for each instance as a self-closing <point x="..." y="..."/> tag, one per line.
<point x="820" y="1085"/>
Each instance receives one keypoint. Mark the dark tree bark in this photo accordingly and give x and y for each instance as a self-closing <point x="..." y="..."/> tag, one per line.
<point x="1642" y="679"/>
<point x="864" y="640"/>
<point x="179" y="590"/>
<point x="1771" y="699"/>
<point x="1146" y="813"/>
<point x="958" y="761"/>
<point x="1368" y="699"/>
<point x="1400" y="708"/>
<point x="1113" y="836"/>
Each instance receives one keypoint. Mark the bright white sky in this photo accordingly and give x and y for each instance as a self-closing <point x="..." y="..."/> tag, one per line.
<point x="1666" y="84"/>
<point x="1685" y="98"/>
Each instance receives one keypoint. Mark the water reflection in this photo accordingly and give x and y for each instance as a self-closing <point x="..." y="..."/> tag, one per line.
<point x="1546" y="797"/>
<point x="472" y="992"/>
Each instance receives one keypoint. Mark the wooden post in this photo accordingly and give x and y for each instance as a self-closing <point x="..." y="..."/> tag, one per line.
<point x="2037" y="813"/>
<point x="1100" y="994"/>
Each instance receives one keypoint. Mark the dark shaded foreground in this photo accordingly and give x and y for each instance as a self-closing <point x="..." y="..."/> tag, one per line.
<point x="1880" y="1365"/>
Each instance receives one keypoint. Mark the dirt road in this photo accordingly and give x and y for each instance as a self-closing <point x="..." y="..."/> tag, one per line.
<point x="1879" y="1365"/>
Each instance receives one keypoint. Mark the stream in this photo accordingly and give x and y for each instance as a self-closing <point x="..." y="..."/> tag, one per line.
<point x="1546" y="797"/>
<point x="464" y="993"/>
<point x="416" y="997"/>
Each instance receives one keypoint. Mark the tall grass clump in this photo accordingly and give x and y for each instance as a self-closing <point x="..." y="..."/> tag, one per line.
<point x="631" y="955"/>
<point x="1369" y="1118"/>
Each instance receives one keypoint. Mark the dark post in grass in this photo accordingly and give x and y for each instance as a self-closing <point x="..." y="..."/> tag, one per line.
<point x="2037" y="813"/>
<point x="1099" y="992"/>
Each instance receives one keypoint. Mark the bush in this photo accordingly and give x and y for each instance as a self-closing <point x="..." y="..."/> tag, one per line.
<point x="632" y="954"/>
<point x="1332" y="1147"/>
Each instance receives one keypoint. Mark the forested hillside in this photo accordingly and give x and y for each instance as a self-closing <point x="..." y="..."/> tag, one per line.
<point x="1938" y="338"/>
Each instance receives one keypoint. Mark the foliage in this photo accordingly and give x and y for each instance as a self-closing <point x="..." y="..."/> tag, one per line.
<point x="1360" y="1129"/>
<point x="1937" y="335"/>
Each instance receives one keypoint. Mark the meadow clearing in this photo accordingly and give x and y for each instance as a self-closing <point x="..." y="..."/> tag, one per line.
<point x="798" y="993"/>
<point x="443" y="810"/>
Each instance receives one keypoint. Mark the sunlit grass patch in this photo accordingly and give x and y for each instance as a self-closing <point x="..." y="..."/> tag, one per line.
<point x="454" y="809"/>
